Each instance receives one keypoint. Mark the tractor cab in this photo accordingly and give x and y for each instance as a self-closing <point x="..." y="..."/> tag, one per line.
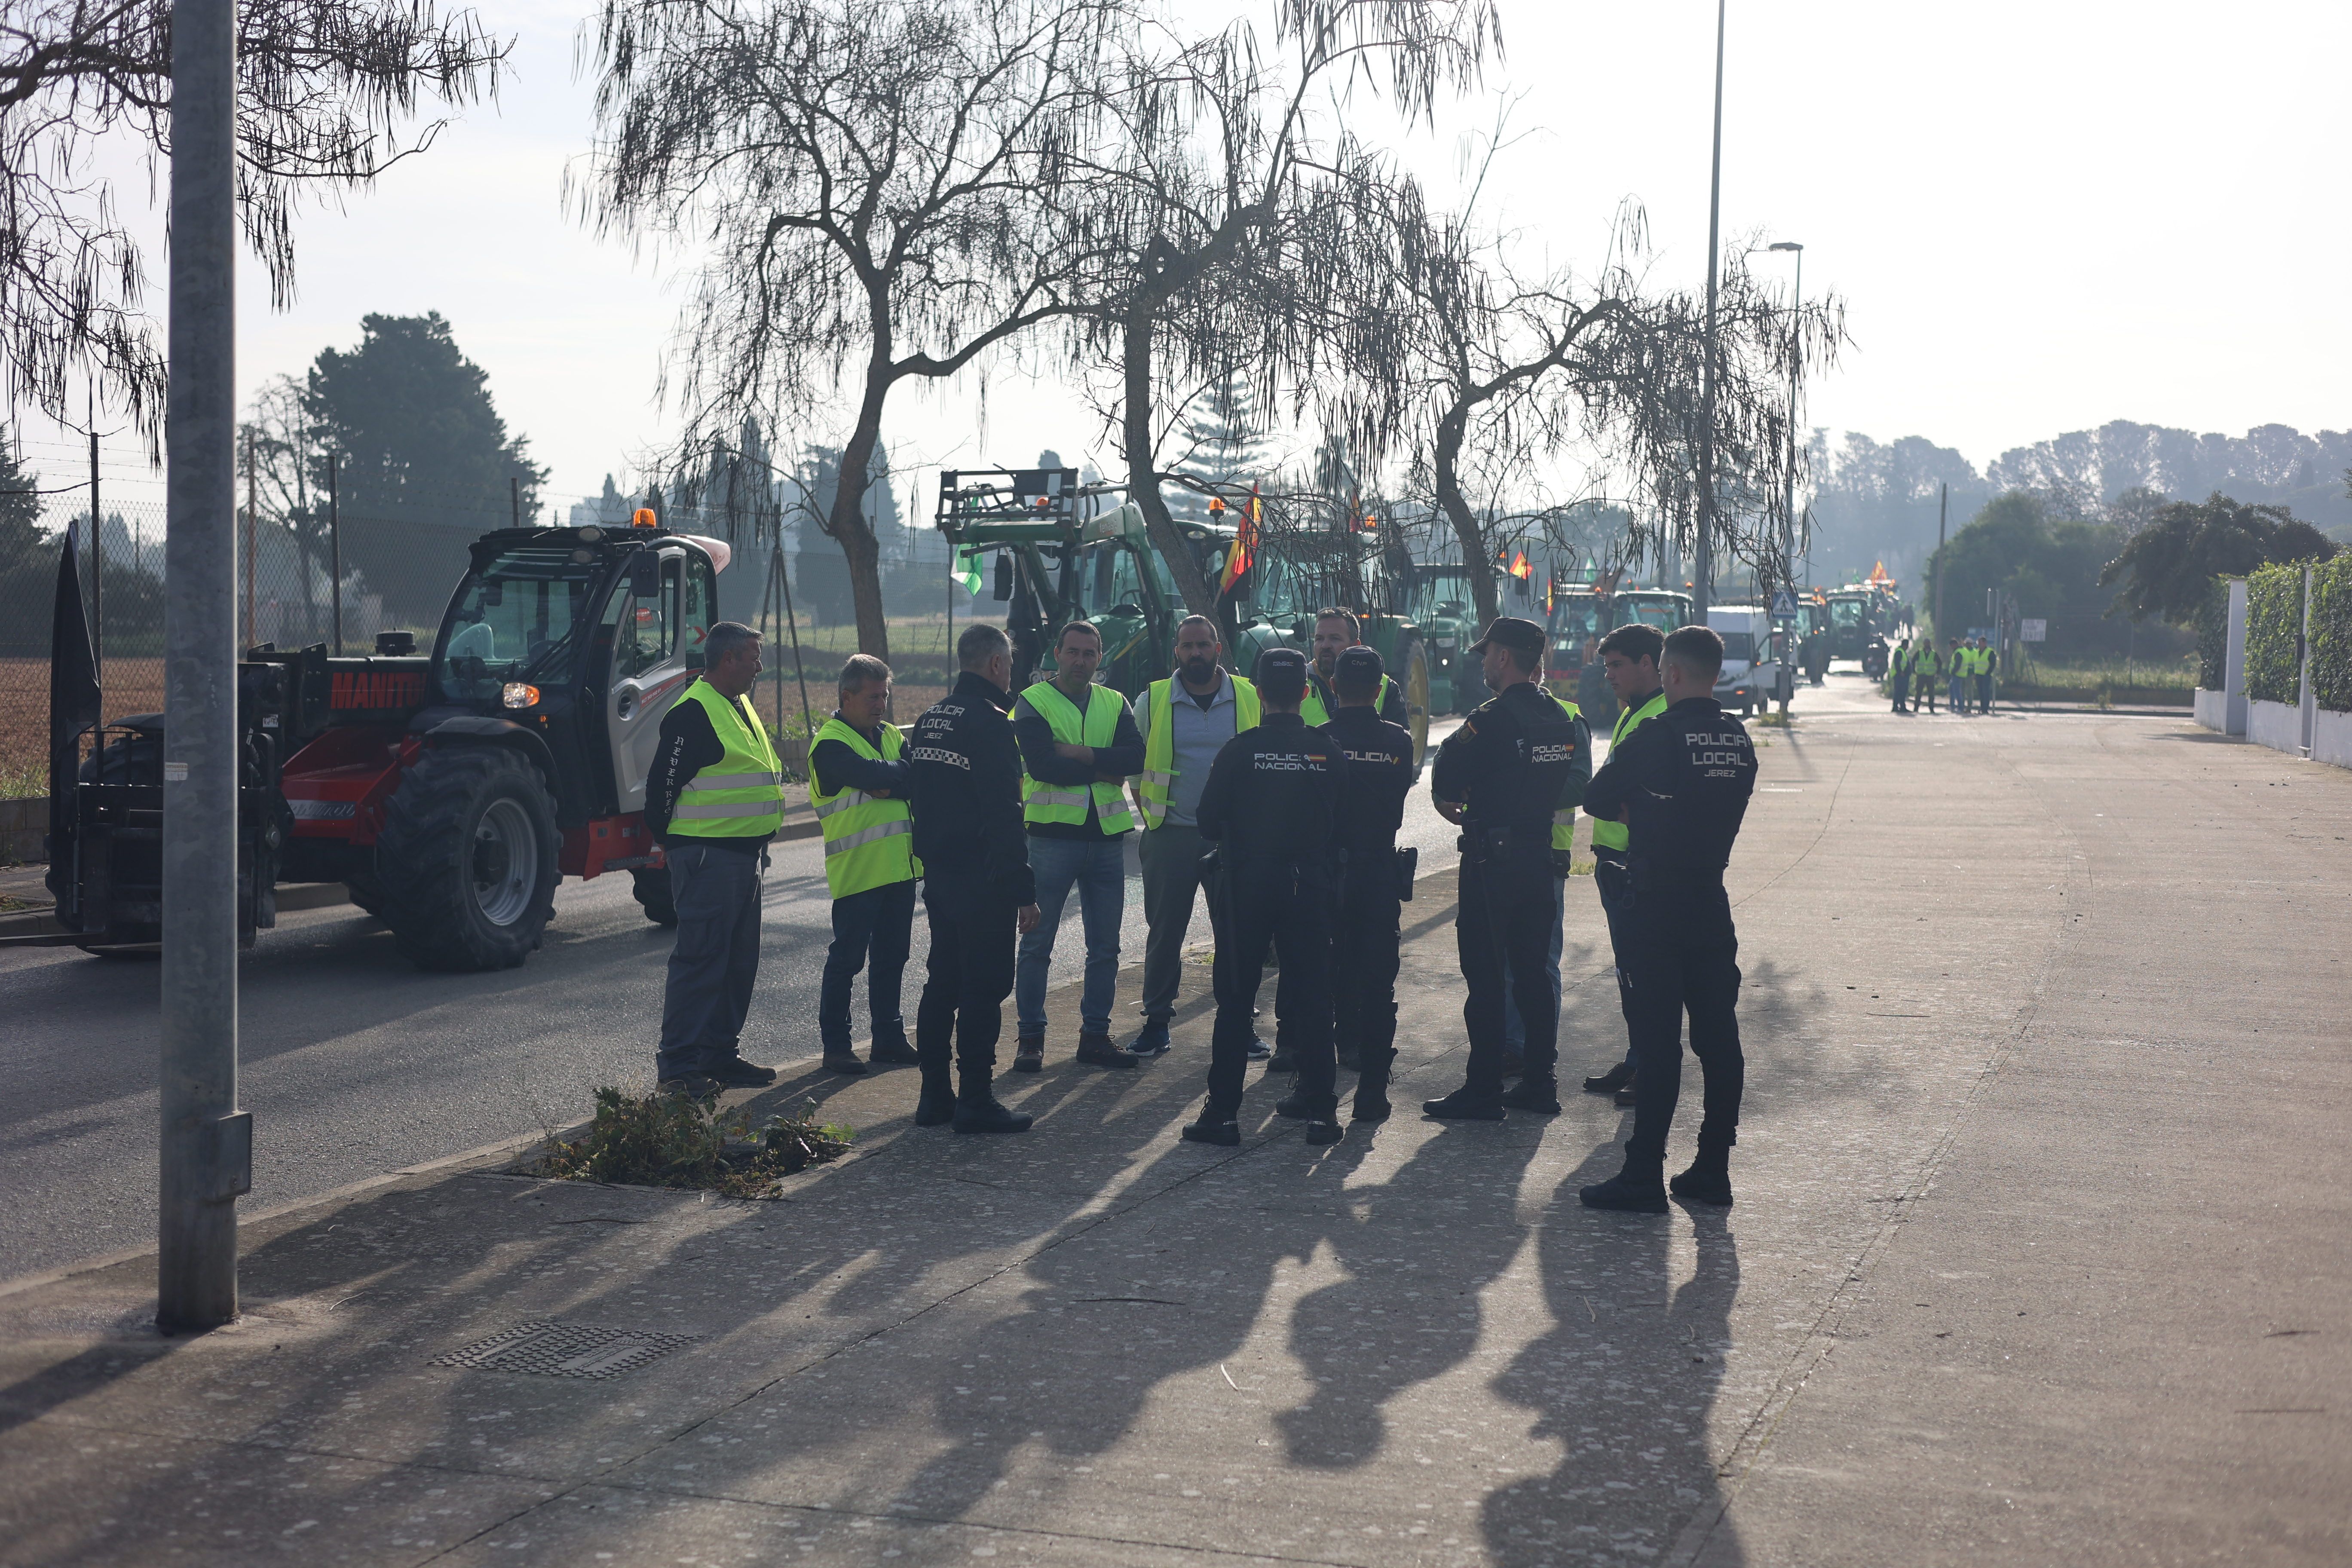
<point x="579" y="642"/>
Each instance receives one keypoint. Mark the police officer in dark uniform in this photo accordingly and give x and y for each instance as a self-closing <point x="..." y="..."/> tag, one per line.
<point x="1273" y="806"/>
<point x="1680" y="785"/>
<point x="1364" y="937"/>
<point x="977" y="888"/>
<point x="1500" y="776"/>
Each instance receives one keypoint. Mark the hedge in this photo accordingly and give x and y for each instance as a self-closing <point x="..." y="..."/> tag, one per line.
<point x="2331" y="633"/>
<point x="2274" y="634"/>
<point x="2213" y="635"/>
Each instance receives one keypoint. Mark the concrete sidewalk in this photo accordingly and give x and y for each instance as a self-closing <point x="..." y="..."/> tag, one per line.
<point x="2039" y="1257"/>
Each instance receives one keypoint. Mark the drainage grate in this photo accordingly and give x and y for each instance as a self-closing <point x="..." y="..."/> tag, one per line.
<point x="565" y="1350"/>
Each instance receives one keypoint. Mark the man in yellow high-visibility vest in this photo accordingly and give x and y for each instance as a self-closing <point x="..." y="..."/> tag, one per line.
<point x="857" y="786"/>
<point x="714" y="797"/>
<point x="1629" y="661"/>
<point x="1078" y="748"/>
<point x="1335" y="631"/>
<point x="1186" y="718"/>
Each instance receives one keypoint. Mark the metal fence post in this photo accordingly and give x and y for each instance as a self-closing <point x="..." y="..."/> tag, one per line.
<point x="206" y="1145"/>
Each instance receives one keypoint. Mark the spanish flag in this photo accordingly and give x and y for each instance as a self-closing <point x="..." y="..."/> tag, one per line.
<point x="1243" y="553"/>
<point x="1519" y="567"/>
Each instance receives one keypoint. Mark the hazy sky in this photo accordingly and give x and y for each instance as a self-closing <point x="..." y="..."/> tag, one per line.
<point x="2041" y="216"/>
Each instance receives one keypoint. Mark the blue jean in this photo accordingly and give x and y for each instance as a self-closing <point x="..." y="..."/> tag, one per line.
<point x="1959" y="695"/>
<point x="873" y="927"/>
<point x="1515" y="1032"/>
<point x="1098" y="869"/>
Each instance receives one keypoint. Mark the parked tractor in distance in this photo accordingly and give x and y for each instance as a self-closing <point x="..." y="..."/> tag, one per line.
<point x="1579" y="614"/>
<point x="449" y="791"/>
<point x="1063" y="553"/>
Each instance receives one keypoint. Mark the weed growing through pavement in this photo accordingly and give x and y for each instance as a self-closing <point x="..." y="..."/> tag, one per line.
<point x="678" y="1141"/>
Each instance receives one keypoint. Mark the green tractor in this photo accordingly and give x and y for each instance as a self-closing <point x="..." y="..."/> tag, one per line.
<point x="1064" y="553"/>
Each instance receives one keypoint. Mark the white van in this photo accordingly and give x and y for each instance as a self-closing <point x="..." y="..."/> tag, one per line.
<point x="1750" y="675"/>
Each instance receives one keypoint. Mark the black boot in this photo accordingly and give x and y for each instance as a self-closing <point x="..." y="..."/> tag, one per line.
<point x="1215" y="1126"/>
<point x="1029" y="1054"/>
<point x="1610" y="1082"/>
<point x="976" y="1110"/>
<point x="1466" y="1104"/>
<point x="1294" y="1106"/>
<point x="1540" y="1095"/>
<point x="1639" y="1188"/>
<point x="1101" y="1051"/>
<point x="1325" y="1128"/>
<point x="935" y="1107"/>
<point x="1709" y="1179"/>
<point x="894" y="1051"/>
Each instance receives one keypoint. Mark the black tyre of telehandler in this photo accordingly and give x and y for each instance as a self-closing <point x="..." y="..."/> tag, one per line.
<point x="652" y="892"/>
<point x="467" y="859"/>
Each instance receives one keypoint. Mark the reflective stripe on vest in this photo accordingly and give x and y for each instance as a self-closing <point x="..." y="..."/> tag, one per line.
<point x="1096" y="727"/>
<point x="1614" y="835"/>
<point x="869" y="842"/>
<point x="1316" y="715"/>
<point x="1156" y="783"/>
<point x="741" y="795"/>
<point x="1563" y="818"/>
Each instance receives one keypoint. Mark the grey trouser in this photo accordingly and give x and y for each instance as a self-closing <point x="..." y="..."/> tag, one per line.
<point x="717" y="958"/>
<point x="1170" y="854"/>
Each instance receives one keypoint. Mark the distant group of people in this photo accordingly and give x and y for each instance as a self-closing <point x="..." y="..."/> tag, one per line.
<point x="1964" y="667"/>
<point x="1279" y="796"/>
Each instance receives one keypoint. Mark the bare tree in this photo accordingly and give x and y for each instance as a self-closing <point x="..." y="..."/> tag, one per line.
<point x="1231" y="191"/>
<point x="1517" y="375"/>
<point x="323" y="87"/>
<point x="886" y="191"/>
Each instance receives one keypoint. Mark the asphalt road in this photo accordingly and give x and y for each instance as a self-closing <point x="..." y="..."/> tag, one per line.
<point x="354" y="1063"/>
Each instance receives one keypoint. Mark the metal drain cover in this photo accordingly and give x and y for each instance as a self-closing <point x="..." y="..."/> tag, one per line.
<point x="565" y="1350"/>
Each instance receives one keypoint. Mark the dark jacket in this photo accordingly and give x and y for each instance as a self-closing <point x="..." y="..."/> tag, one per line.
<point x="966" y="796"/>
<point x="1681" y="783"/>
<point x="689" y="745"/>
<point x="1276" y="797"/>
<point x="835" y="767"/>
<point x="1123" y="756"/>
<point x="1379" y="775"/>
<point x="1510" y="762"/>
<point x="1392" y="708"/>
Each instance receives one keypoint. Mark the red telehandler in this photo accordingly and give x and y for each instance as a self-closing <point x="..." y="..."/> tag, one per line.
<point x="449" y="790"/>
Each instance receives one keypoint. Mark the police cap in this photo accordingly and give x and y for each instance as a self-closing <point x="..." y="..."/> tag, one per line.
<point x="1357" y="666"/>
<point x="1282" y="673"/>
<point x="1523" y="637"/>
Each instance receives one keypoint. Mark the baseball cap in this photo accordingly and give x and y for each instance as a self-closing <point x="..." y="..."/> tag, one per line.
<point x="1357" y="666"/>
<point x="1282" y="673"/>
<point x="1523" y="637"/>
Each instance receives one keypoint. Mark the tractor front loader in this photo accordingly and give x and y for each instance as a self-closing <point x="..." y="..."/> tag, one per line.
<point x="449" y="791"/>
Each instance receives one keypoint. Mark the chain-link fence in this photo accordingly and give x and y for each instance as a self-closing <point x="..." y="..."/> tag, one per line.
<point x="398" y="576"/>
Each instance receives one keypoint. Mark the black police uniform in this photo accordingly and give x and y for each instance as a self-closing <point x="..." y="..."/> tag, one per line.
<point x="966" y="795"/>
<point x="1364" y="939"/>
<point x="1509" y="761"/>
<point x="1272" y="805"/>
<point x="1682" y="784"/>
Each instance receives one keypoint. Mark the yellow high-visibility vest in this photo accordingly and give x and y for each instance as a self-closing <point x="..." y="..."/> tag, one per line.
<point x="1096" y="727"/>
<point x="1614" y="835"/>
<point x="741" y="795"/>
<point x="1157" y="785"/>
<point x="869" y="842"/>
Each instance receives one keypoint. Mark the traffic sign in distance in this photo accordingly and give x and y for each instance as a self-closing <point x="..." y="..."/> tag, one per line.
<point x="1784" y="605"/>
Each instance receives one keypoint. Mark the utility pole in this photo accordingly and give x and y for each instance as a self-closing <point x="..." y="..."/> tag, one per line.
<point x="1796" y="367"/>
<point x="206" y="1143"/>
<point x="1703" y="557"/>
<point x="1943" y="501"/>
<point x="96" y="566"/>
<point x="335" y="548"/>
